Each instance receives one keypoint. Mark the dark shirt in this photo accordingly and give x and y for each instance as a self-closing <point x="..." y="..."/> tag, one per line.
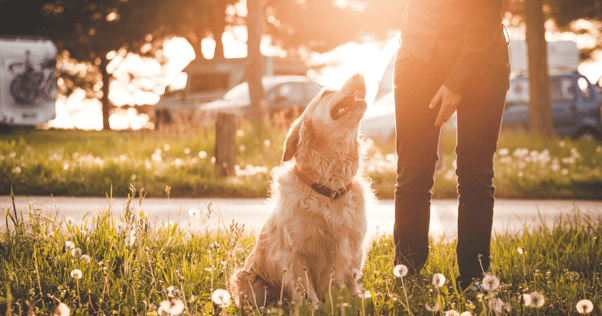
<point x="465" y="31"/>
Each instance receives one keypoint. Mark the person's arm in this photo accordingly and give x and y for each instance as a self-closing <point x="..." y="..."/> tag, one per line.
<point x="480" y="33"/>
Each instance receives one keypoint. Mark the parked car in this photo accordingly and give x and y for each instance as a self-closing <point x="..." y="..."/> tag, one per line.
<point x="282" y="93"/>
<point x="576" y="105"/>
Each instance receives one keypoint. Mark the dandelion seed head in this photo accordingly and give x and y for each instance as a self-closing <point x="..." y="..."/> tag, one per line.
<point x="466" y="314"/>
<point x="490" y="283"/>
<point x="432" y="307"/>
<point x="537" y="300"/>
<point x="194" y="212"/>
<point x="69" y="245"/>
<point x="585" y="306"/>
<point x="76" y="252"/>
<point x="438" y="280"/>
<point x="526" y="299"/>
<point x="17" y="170"/>
<point x="267" y="143"/>
<point x="400" y="270"/>
<point x="202" y="154"/>
<point x="187" y="151"/>
<point x="452" y="313"/>
<point x="76" y="274"/>
<point x="62" y="310"/>
<point x="221" y="298"/>
<point x="240" y="133"/>
<point x="171" y="307"/>
<point x="85" y="258"/>
<point x="69" y="220"/>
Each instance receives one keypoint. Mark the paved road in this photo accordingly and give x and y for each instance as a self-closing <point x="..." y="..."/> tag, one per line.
<point x="509" y="215"/>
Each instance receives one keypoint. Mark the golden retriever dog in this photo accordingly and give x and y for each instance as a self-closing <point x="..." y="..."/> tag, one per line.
<point x="314" y="238"/>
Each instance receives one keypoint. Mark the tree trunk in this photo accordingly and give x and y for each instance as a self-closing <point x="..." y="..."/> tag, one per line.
<point x="217" y="27"/>
<point x="258" y="110"/>
<point x="106" y="104"/>
<point x="540" y="111"/>
<point x="225" y="145"/>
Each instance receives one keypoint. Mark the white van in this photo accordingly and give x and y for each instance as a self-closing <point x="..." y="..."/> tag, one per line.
<point x="28" y="84"/>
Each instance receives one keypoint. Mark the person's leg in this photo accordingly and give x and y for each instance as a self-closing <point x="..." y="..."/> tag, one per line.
<point x="416" y="82"/>
<point x="479" y="120"/>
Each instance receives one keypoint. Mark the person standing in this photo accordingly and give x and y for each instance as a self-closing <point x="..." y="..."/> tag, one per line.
<point x="453" y="57"/>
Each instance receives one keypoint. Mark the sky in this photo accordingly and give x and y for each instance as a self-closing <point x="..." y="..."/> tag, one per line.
<point x="368" y="58"/>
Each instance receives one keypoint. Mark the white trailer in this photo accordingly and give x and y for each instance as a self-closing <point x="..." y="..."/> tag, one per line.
<point x="27" y="80"/>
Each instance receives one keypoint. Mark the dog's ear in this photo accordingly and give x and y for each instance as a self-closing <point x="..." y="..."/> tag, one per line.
<point x="292" y="140"/>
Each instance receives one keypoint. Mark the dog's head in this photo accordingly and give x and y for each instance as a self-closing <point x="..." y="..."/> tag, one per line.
<point x="330" y="123"/>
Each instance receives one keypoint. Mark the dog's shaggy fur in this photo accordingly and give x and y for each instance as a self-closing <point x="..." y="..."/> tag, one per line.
<point x="309" y="238"/>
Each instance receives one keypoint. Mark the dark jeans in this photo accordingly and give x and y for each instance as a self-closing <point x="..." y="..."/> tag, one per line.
<point x="479" y="117"/>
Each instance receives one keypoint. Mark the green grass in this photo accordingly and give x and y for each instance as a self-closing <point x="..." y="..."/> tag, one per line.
<point x="129" y="276"/>
<point x="83" y="163"/>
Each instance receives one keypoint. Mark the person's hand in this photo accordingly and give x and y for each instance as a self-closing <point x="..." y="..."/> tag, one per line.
<point x="449" y="104"/>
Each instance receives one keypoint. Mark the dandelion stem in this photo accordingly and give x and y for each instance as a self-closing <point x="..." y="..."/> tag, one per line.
<point x="254" y="298"/>
<point x="406" y="295"/>
<point x="330" y="293"/>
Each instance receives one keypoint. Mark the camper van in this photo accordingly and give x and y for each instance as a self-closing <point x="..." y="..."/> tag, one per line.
<point x="27" y="81"/>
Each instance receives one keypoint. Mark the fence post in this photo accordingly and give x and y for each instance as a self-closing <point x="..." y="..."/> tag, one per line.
<point x="225" y="145"/>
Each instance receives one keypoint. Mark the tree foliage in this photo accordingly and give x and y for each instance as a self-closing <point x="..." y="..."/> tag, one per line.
<point x="323" y="25"/>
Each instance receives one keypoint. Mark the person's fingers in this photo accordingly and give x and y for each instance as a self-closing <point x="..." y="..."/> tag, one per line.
<point x="437" y="98"/>
<point x="443" y="116"/>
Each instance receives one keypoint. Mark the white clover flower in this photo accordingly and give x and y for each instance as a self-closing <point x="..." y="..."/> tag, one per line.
<point x="452" y="313"/>
<point x="242" y="148"/>
<point x="357" y="274"/>
<point x="76" y="274"/>
<point x="240" y="133"/>
<point x="400" y="270"/>
<point x="194" y="212"/>
<point x="172" y="307"/>
<point x="490" y="283"/>
<point x="202" y="154"/>
<point x="76" y="252"/>
<point x="17" y="170"/>
<point x="564" y="171"/>
<point x="166" y="147"/>
<point x="221" y="298"/>
<point x="69" y="245"/>
<point x="267" y="143"/>
<point x="537" y="300"/>
<point x="187" y="151"/>
<point x="432" y="307"/>
<point x="438" y="280"/>
<point x="503" y="152"/>
<point x="212" y="159"/>
<point x="51" y="234"/>
<point x="522" y="250"/>
<point x="62" y="310"/>
<point x="466" y="314"/>
<point x="585" y="306"/>
<point x="66" y="166"/>
<point x="85" y="258"/>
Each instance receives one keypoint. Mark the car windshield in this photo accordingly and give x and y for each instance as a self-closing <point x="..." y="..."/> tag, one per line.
<point x="241" y="91"/>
